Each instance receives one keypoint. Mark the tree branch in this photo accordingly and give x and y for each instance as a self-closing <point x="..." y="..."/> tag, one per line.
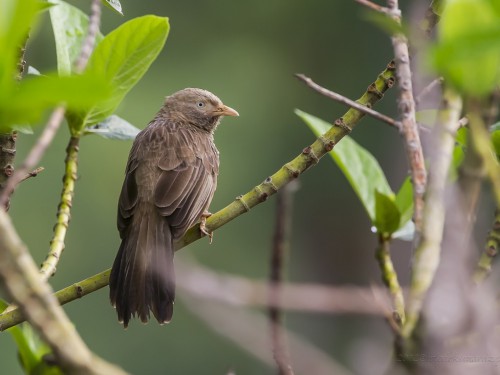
<point x="21" y="279"/>
<point x="427" y="254"/>
<point x="409" y="127"/>
<point x="351" y="103"/>
<point x="483" y="268"/>
<point x="390" y="278"/>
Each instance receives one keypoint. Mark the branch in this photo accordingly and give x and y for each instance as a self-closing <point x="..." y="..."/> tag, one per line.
<point x="290" y="171"/>
<point x="279" y="249"/>
<point x="201" y="282"/>
<point x="35" y="172"/>
<point x="373" y="6"/>
<point x="428" y="89"/>
<point x="483" y="268"/>
<point x="7" y="156"/>
<point x="351" y="103"/>
<point x="390" y="278"/>
<point x="49" y="265"/>
<point x="427" y="254"/>
<point x="409" y="128"/>
<point x="21" y="279"/>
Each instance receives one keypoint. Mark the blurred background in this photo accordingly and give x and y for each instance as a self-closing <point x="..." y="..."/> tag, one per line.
<point x="246" y="53"/>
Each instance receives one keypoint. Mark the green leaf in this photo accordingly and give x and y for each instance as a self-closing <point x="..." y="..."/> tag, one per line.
<point x="26" y="102"/>
<point x="404" y="201"/>
<point x="122" y="58"/>
<point x="70" y="27"/>
<point x="23" y="129"/>
<point x="387" y="216"/>
<point x="495" y="138"/>
<point x="114" y="127"/>
<point x="114" y="5"/>
<point x="406" y="232"/>
<point x="16" y="19"/>
<point x="358" y="165"/>
<point x="468" y="50"/>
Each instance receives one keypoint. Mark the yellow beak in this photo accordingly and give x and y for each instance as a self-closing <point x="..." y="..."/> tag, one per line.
<point x="224" y="110"/>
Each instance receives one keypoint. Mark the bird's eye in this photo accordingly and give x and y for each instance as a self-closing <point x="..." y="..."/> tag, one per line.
<point x="200" y="104"/>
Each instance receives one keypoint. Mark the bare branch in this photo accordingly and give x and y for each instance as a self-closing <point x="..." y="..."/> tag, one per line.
<point x="351" y="103"/>
<point x="409" y="126"/>
<point x="373" y="6"/>
<point x="35" y="172"/>
<point x="428" y="89"/>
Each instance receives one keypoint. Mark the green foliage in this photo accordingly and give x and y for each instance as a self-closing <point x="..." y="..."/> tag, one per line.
<point x="467" y="53"/>
<point x="121" y="58"/>
<point x="495" y="138"/>
<point x="385" y="23"/>
<point x="114" y="127"/>
<point x="114" y="5"/>
<point x="31" y="349"/>
<point x="387" y="213"/>
<point x="70" y="26"/>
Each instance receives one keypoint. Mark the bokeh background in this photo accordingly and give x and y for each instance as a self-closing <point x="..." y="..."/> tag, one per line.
<point x="246" y="53"/>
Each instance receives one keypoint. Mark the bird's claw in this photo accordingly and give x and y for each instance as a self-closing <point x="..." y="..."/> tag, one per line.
<point x="203" y="226"/>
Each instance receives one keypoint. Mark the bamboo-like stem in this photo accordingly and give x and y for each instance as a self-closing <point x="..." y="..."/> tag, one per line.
<point x="290" y="171"/>
<point x="390" y="278"/>
<point x="427" y="254"/>
<point x="49" y="265"/>
<point x="409" y="127"/>
<point x="483" y="268"/>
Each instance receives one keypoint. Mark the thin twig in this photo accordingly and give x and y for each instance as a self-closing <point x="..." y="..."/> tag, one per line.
<point x="373" y="6"/>
<point x="390" y="278"/>
<point x="409" y="126"/>
<point x="427" y="254"/>
<point x="428" y="89"/>
<point x="277" y="261"/>
<point x="35" y="172"/>
<point x="89" y="42"/>
<point x="35" y="153"/>
<point x="351" y="103"/>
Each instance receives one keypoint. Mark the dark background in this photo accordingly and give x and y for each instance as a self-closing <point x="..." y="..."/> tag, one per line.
<point x="246" y="53"/>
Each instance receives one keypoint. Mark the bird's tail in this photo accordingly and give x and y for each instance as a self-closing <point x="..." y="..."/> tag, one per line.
<point x="142" y="277"/>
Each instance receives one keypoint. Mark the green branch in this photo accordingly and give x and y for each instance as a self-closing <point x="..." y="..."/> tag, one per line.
<point x="243" y="203"/>
<point x="64" y="209"/>
<point x="390" y="278"/>
<point x="483" y="267"/>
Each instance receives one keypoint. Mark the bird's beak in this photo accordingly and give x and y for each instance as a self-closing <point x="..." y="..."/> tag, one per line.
<point x="224" y="110"/>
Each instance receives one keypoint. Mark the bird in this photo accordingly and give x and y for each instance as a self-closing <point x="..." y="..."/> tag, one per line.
<point x="170" y="180"/>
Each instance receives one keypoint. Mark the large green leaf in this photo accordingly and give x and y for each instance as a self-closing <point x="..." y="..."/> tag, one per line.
<point x="122" y="58"/>
<point x="70" y="26"/>
<point x="26" y="101"/>
<point x="467" y="53"/>
<point x="16" y="19"/>
<point x="358" y="165"/>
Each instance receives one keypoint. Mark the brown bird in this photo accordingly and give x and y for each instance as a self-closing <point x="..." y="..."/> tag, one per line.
<point x="170" y="179"/>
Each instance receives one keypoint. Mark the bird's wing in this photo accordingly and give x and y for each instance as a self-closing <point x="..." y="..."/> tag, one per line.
<point x="189" y="166"/>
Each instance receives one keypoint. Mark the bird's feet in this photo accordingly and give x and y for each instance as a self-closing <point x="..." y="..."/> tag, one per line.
<point x="203" y="225"/>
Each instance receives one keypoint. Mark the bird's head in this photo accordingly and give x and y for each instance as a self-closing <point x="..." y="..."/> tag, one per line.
<point x="197" y="107"/>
